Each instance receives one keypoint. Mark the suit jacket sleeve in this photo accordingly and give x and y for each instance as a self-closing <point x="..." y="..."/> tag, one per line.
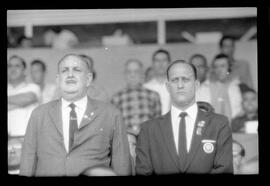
<point x="121" y="160"/>
<point x="29" y="157"/>
<point x="143" y="160"/>
<point x="223" y="162"/>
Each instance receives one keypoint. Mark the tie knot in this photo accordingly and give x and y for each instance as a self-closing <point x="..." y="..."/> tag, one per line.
<point x="183" y="114"/>
<point x="72" y="106"/>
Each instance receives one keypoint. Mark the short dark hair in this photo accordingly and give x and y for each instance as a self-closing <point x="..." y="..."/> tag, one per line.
<point x="78" y="56"/>
<point x="224" y="38"/>
<point x="198" y="56"/>
<point x="220" y="56"/>
<point x="242" y="152"/>
<point x="20" y="58"/>
<point x="39" y="62"/>
<point x="184" y="62"/>
<point x="161" y="51"/>
<point x="249" y="90"/>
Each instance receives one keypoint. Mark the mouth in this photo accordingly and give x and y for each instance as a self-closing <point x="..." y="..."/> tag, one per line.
<point x="181" y="93"/>
<point x="71" y="81"/>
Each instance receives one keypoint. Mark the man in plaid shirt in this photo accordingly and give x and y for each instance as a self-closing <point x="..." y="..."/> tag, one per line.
<point x="136" y="103"/>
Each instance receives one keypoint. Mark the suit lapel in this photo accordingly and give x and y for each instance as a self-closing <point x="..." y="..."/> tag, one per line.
<point x="56" y="115"/>
<point x="90" y="113"/>
<point x="197" y="137"/>
<point x="167" y="132"/>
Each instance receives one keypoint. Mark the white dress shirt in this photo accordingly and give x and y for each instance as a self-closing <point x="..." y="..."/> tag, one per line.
<point x="190" y="122"/>
<point x="80" y="107"/>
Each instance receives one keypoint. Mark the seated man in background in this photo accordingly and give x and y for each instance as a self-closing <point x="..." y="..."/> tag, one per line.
<point x="136" y="103"/>
<point x="200" y="62"/>
<point x="38" y="73"/>
<point x="250" y="108"/>
<point x="23" y="97"/>
<point x="95" y="91"/>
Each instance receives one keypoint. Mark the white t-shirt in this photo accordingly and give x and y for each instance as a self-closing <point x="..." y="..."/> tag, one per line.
<point x="18" y="118"/>
<point x="164" y="95"/>
<point x="64" y="40"/>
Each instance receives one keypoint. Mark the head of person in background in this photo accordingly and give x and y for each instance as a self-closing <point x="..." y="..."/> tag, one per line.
<point x="200" y="62"/>
<point x="250" y="103"/>
<point x="16" y="70"/>
<point x="221" y="67"/>
<point x="227" y="46"/>
<point x="182" y="83"/>
<point x="98" y="171"/>
<point x="74" y="77"/>
<point x="38" y="72"/>
<point x="134" y="73"/>
<point x="25" y="42"/>
<point x="149" y="74"/>
<point x="160" y="60"/>
<point x="238" y="155"/>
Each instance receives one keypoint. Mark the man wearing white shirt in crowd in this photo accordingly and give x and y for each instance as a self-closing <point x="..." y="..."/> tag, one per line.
<point x="200" y="62"/>
<point x="38" y="72"/>
<point x="161" y="59"/>
<point x="23" y="97"/>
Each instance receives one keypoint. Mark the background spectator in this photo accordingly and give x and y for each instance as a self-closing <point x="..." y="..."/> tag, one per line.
<point x="60" y="38"/>
<point x="136" y="103"/>
<point x="238" y="155"/>
<point x="160" y="60"/>
<point x="239" y="68"/>
<point x="38" y="74"/>
<point x="250" y="108"/>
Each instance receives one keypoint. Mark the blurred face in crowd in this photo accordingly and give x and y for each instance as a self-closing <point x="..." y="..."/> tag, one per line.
<point x="37" y="73"/>
<point x="15" y="69"/>
<point x="160" y="63"/>
<point x="73" y="78"/>
<point x="237" y="158"/>
<point x="250" y="102"/>
<point x="227" y="47"/>
<point x="201" y="67"/>
<point x="134" y="73"/>
<point x="221" y="67"/>
<point x="182" y="85"/>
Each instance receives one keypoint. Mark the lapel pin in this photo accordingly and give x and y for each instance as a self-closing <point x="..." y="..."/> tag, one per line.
<point x="92" y="113"/>
<point x="201" y="123"/>
<point x="199" y="131"/>
<point x="208" y="147"/>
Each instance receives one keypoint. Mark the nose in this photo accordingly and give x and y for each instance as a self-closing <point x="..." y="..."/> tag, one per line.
<point x="70" y="73"/>
<point x="180" y="84"/>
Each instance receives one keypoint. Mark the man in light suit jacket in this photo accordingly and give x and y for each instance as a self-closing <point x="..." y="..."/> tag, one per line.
<point x="187" y="139"/>
<point x="68" y="136"/>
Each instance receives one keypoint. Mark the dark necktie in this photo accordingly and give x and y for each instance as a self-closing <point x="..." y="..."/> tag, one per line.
<point x="73" y="126"/>
<point x="182" y="144"/>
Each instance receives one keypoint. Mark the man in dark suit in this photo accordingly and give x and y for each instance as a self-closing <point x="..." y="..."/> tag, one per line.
<point x="68" y="136"/>
<point x="187" y="139"/>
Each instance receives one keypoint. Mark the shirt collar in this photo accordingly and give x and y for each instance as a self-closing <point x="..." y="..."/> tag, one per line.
<point x="191" y="111"/>
<point x="80" y="104"/>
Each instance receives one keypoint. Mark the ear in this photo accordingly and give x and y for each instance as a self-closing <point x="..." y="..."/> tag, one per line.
<point x="89" y="78"/>
<point x="57" y="79"/>
<point x="167" y="83"/>
<point x="197" y="84"/>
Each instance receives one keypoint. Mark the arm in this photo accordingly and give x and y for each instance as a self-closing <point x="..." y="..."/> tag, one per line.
<point x="223" y="162"/>
<point x="23" y="100"/>
<point x="143" y="160"/>
<point x="121" y="159"/>
<point x="29" y="150"/>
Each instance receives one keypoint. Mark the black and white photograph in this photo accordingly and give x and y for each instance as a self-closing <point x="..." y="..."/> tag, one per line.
<point x="132" y="92"/>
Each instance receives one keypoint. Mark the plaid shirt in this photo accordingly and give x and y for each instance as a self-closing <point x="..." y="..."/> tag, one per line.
<point x="137" y="105"/>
